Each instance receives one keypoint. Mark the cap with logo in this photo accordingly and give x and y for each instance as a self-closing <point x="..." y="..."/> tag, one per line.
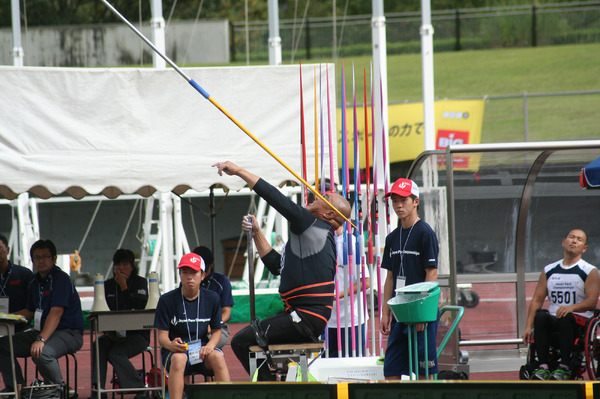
<point x="193" y="261"/>
<point x="404" y="188"/>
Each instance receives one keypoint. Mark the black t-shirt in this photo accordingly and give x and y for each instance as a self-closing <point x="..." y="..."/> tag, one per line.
<point x="134" y="297"/>
<point x="408" y="252"/>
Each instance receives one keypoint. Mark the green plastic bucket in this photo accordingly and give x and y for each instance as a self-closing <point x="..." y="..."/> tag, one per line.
<point x="416" y="303"/>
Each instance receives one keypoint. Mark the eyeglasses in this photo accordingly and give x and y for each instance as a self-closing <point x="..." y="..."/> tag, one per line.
<point x="42" y="257"/>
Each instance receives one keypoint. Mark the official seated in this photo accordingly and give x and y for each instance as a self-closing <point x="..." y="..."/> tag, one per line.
<point x="55" y="308"/>
<point x="126" y="290"/>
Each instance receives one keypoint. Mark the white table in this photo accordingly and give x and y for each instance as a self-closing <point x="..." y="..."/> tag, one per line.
<point x="7" y="328"/>
<point x="122" y="320"/>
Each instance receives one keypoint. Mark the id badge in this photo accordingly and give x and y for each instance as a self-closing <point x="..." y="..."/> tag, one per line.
<point x="194" y="352"/>
<point x="400" y="282"/>
<point x="3" y="304"/>
<point x="37" y="320"/>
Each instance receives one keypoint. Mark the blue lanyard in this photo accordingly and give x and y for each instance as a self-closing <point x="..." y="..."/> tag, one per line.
<point x="186" y="316"/>
<point x="404" y="248"/>
<point x="5" y="282"/>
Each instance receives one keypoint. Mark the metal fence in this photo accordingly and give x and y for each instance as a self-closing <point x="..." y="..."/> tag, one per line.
<point x="459" y="29"/>
<point x="565" y="115"/>
<point x="542" y="116"/>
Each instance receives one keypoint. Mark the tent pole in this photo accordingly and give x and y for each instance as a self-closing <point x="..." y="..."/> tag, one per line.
<point x="158" y="33"/>
<point x="211" y="208"/>
<point x="17" y="50"/>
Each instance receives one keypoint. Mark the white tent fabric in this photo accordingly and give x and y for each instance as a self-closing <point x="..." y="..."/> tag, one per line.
<point x="113" y="131"/>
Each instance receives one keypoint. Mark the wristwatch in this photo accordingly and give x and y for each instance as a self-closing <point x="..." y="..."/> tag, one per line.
<point x="39" y="338"/>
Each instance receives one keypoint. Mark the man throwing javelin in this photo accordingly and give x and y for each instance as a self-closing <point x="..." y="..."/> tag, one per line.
<point x="306" y="266"/>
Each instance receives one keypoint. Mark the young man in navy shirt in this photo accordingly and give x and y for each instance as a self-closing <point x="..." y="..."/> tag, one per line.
<point x="54" y="306"/>
<point x="182" y="318"/>
<point x="410" y="256"/>
<point x="220" y="284"/>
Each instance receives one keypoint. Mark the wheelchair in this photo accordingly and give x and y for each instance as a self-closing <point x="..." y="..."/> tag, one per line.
<point x="585" y="357"/>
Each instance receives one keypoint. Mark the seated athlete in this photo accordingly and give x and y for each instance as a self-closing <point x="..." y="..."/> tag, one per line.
<point x="571" y="285"/>
<point x="182" y="318"/>
<point x="306" y="266"/>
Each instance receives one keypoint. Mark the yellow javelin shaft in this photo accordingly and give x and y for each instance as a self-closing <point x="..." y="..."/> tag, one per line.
<point x="271" y="153"/>
<point x="216" y="104"/>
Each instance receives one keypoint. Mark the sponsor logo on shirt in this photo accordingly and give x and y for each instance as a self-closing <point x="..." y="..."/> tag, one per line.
<point x="406" y="252"/>
<point x="176" y="320"/>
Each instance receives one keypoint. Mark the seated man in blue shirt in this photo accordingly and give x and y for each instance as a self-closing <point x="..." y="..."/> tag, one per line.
<point x="54" y="306"/>
<point x="14" y="280"/>
<point x="220" y="284"/>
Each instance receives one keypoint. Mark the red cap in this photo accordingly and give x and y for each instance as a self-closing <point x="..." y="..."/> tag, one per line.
<point x="404" y="188"/>
<point x="193" y="261"/>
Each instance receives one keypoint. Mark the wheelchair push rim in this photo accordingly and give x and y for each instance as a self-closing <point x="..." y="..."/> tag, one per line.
<point x="592" y="349"/>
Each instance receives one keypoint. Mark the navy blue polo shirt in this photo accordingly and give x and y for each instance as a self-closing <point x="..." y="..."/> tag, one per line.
<point x="56" y="289"/>
<point x="220" y="284"/>
<point x="13" y="284"/>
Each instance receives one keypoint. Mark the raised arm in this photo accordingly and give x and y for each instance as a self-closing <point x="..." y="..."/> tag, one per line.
<point x="231" y="169"/>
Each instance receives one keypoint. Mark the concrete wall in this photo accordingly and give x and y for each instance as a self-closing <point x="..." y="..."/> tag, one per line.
<point x="206" y="42"/>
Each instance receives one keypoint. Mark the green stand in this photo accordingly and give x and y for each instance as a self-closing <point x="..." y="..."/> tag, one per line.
<point x="418" y="304"/>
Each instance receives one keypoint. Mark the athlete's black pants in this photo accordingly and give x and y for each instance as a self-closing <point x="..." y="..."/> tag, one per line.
<point x="279" y="329"/>
<point x="560" y="333"/>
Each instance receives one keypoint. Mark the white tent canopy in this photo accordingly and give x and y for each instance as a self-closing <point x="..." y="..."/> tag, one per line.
<point x="113" y="131"/>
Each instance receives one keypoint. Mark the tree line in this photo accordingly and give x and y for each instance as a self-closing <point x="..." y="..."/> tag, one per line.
<point x="75" y="12"/>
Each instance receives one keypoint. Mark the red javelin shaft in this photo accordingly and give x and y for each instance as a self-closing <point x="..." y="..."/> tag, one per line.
<point x="303" y="141"/>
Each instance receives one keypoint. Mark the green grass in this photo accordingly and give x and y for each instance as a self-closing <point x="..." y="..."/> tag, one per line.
<point x="476" y="73"/>
<point x="510" y="71"/>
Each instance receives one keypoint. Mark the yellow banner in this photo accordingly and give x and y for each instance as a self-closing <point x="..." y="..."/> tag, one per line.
<point x="456" y="122"/>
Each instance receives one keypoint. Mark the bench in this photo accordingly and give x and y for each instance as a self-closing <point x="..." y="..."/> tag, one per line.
<point x="289" y="352"/>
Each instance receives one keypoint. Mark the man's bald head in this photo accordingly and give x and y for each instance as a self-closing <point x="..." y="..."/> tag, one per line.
<point x="320" y="209"/>
<point x="341" y="204"/>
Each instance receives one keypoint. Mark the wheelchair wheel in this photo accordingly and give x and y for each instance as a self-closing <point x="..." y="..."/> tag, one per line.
<point x="592" y="349"/>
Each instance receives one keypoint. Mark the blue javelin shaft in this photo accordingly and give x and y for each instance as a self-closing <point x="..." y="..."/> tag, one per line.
<point x="157" y="51"/>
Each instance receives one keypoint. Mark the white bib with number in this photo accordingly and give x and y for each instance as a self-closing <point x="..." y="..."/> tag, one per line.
<point x="566" y="285"/>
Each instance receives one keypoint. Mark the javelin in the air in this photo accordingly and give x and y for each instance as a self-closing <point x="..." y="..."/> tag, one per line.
<point x="223" y="110"/>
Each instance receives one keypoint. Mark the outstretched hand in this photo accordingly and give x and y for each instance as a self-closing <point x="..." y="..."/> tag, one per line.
<point x="231" y="169"/>
<point x="227" y="167"/>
